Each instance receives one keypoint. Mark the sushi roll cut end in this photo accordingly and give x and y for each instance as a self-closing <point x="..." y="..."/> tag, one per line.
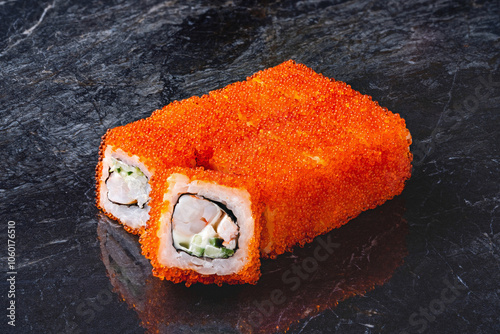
<point x="123" y="188"/>
<point x="204" y="230"/>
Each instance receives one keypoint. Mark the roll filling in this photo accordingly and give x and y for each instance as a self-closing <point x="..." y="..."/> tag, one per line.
<point x="204" y="228"/>
<point x="127" y="185"/>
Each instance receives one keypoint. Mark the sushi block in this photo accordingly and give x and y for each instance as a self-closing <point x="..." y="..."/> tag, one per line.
<point x="204" y="227"/>
<point x="311" y="152"/>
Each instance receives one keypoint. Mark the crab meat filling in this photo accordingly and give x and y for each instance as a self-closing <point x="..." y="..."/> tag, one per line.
<point x="203" y="228"/>
<point x="127" y="185"/>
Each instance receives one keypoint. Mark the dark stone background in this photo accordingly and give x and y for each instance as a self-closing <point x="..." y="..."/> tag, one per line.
<point x="69" y="70"/>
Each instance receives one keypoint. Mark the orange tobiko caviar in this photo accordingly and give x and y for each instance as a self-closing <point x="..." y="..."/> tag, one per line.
<point x="313" y="152"/>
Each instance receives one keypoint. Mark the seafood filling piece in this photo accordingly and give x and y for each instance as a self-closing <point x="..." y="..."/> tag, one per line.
<point x="127" y="185"/>
<point x="204" y="228"/>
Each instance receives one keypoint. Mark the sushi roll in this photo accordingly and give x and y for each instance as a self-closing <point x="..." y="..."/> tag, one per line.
<point x="204" y="227"/>
<point x="318" y="154"/>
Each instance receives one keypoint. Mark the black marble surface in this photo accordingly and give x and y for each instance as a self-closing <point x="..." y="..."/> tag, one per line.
<point x="426" y="262"/>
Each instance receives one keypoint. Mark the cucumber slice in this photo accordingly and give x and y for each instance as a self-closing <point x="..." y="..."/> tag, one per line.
<point x="196" y="250"/>
<point x="125" y="170"/>
<point x="213" y="252"/>
<point x="227" y="252"/>
<point x="197" y="240"/>
<point x="216" y="242"/>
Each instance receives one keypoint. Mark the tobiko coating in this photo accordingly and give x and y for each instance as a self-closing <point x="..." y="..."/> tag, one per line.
<point x="213" y="183"/>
